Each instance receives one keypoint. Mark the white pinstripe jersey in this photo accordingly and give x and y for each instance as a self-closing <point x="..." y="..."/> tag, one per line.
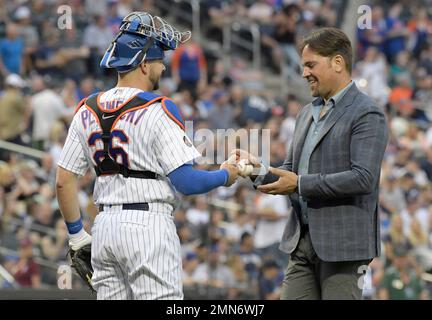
<point x="146" y="139"/>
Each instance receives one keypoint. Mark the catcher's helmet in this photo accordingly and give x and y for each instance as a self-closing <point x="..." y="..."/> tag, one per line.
<point x="141" y="37"/>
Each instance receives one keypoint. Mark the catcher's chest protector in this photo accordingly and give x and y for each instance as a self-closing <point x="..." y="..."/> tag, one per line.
<point x="107" y="120"/>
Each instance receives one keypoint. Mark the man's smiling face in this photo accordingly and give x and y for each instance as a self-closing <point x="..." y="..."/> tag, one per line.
<point x="319" y="73"/>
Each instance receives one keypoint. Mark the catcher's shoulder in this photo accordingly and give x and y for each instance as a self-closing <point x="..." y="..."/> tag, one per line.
<point x="173" y="112"/>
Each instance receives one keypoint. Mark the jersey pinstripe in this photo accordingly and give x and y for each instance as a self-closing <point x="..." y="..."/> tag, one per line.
<point x="136" y="256"/>
<point x="154" y="142"/>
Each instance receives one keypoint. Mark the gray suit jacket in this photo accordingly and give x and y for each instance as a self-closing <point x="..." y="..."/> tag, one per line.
<point x="341" y="188"/>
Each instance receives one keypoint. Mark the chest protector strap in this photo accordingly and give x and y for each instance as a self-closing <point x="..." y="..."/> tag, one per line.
<point x="107" y="119"/>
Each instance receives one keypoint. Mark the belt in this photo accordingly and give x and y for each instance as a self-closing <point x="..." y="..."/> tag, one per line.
<point x="143" y="206"/>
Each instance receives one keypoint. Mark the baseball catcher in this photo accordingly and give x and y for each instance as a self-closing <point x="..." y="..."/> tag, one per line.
<point x="135" y="140"/>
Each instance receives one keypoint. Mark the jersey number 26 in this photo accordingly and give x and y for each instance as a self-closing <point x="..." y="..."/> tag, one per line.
<point x="115" y="152"/>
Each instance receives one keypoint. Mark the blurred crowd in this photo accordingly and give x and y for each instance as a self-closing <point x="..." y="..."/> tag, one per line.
<point x="395" y="68"/>
<point x="230" y="236"/>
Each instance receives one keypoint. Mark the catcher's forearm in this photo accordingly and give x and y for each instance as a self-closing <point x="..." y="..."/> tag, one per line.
<point x="79" y="239"/>
<point x="67" y="194"/>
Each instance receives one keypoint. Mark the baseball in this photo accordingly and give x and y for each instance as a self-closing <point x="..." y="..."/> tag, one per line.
<point x="245" y="169"/>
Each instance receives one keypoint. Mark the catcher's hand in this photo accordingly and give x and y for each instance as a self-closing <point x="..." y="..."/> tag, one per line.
<point x="81" y="262"/>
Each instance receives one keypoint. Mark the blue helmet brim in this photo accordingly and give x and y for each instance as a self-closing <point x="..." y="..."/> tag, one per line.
<point x="126" y="53"/>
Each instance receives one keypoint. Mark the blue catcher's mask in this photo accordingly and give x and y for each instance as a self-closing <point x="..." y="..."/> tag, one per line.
<point x="141" y="37"/>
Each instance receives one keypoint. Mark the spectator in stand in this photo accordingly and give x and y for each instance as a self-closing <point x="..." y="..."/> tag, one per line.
<point x="221" y="115"/>
<point x="198" y="214"/>
<point x="327" y="16"/>
<point x="95" y="7"/>
<point x="190" y="264"/>
<point x="396" y="33"/>
<point x="270" y="281"/>
<point x="419" y="27"/>
<point x="114" y="19"/>
<point x="55" y="248"/>
<point x="69" y="93"/>
<point x="82" y="18"/>
<point x="414" y="211"/>
<point x="400" y="98"/>
<point x="97" y="37"/>
<point x="371" y="75"/>
<point x="49" y="57"/>
<point x="242" y="282"/>
<point x="288" y="125"/>
<point x="75" y="55"/>
<point x="86" y="88"/>
<point x="255" y="109"/>
<point x="40" y="13"/>
<point x="422" y="95"/>
<point x="240" y="225"/>
<point x="25" y="270"/>
<point x="282" y="39"/>
<point x="216" y="228"/>
<point x="395" y="239"/>
<point x="4" y="18"/>
<point x="401" y="66"/>
<point x="11" y="51"/>
<point x="307" y="24"/>
<point x="216" y="13"/>
<point x="392" y="197"/>
<point x="43" y="215"/>
<point x="272" y="214"/>
<point x="26" y="181"/>
<point x="401" y="281"/>
<point x="237" y="99"/>
<point x="261" y="11"/>
<point x="14" y="111"/>
<point x="217" y="276"/>
<point x="430" y="231"/>
<point x="425" y="60"/>
<point x="189" y="68"/>
<point x="417" y="237"/>
<point x="375" y="36"/>
<point x="56" y="141"/>
<point x="249" y="255"/>
<point x="187" y="239"/>
<point x="47" y="106"/>
<point x="426" y="163"/>
<point x="29" y="34"/>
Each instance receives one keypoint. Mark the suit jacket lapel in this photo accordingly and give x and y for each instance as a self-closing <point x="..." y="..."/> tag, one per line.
<point x="339" y="110"/>
<point x="302" y="133"/>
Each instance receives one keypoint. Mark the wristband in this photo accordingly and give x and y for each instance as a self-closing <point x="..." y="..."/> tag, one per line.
<point x="74" y="227"/>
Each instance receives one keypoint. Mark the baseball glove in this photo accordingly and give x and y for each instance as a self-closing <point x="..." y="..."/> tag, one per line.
<point x="81" y="262"/>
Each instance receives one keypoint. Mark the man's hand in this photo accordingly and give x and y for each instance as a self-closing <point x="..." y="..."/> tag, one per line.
<point x="240" y="154"/>
<point x="78" y="242"/>
<point x="232" y="171"/>
<point x="286" y="184"/>
<point x="80" y="254"/>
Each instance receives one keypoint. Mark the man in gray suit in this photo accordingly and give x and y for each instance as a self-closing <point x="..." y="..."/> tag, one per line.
<point x="331" y="175"/>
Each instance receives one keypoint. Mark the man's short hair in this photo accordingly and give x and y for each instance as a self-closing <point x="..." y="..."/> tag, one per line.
<point x="329" y="42"/>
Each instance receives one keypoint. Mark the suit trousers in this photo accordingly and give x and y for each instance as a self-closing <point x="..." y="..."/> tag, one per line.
<point x="307" y="277"/>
